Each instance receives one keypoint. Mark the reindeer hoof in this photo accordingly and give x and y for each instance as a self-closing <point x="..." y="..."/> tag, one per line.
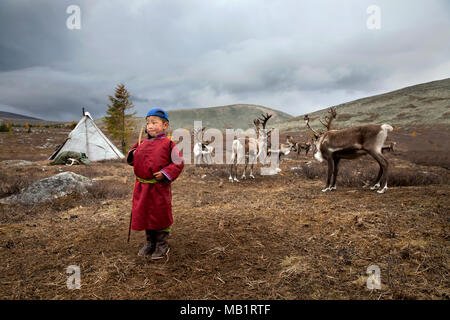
<point x="382" y="190"/>
<point x="376" y="186"/>
<point x="252" y="176"/>
<point x="333" y="188"/>
<point x="326" y="189"/>
<point x="236" y="180"/>
<point x="243" y="178"/>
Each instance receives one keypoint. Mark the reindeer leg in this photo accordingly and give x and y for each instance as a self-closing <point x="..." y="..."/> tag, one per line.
<point x="245" y="169"/>
<point x="251" y="171"/>
<point x="236" y="170"/>
<point x="330" y="172"/>
<point x="235" y="179"/>
<point x="383" y="167"/>
<point x="196" y="159"/>
<point x="252" y="161"/>
<point x="384" y="176"/>
<point x="377" y="183"/>
<point x="233" y="165"/>
<point x="335" y="173"/>
<point x="231" y="173"/>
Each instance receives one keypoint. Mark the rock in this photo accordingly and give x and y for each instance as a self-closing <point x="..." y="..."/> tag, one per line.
<point x="51" y="188"/>
<point x="19" y="163"/>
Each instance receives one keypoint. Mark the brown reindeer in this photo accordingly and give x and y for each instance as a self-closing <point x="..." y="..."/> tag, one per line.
<point x="351" y="143"/>
<point x="388" y="147"/>
<point x="297" y="147"/>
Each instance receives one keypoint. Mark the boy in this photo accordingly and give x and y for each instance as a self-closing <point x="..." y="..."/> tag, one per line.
<point x="156" y="162"/>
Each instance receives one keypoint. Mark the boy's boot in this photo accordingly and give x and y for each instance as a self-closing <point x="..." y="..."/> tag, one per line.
<point x="149" y="247"/>
<point x="162" y="246"/>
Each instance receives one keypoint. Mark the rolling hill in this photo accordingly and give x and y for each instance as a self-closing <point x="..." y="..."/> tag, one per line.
<point x="20" y="119"/>
<point x="10" y="115"/>
<point x="231" y="116"/>
<point x="426" y="105"/>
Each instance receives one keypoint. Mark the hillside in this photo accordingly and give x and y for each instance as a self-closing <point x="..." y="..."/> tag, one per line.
<point x="232" y="116"/>
<point x="426" y="105"/>
<point x="20" y="119"/>
<point x="10" y="115"/>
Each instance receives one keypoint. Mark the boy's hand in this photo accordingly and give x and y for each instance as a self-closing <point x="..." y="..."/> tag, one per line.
<point x="159" y="175"/>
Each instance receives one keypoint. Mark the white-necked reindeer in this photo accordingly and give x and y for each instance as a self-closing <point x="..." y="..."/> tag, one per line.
<point x="202" y="149"/>
<point x="351" y="143"/>
<point x="246" y="150"/>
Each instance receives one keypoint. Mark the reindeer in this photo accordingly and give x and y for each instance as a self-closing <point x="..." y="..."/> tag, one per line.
<point x="202" y="150"/>
<point x="285" y="148"/>
<point x="247" y="149"/>
<point x="351" y="143"/>
<point x="388" y="147"/>
<point x="297" y="147"/>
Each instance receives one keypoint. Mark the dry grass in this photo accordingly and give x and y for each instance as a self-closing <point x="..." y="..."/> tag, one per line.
<point x="274" y="237"/>
<point x="14" y="179"/>
<point x="358" y="174"/>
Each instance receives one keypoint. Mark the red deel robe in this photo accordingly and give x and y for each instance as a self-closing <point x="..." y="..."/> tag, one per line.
<point x="152" y="202"/>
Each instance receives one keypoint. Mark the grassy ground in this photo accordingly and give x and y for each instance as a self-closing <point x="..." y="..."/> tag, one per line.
<point x="274" y="237"/>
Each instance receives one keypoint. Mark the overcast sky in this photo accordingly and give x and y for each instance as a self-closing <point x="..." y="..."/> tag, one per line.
<point x="295" y="56"/>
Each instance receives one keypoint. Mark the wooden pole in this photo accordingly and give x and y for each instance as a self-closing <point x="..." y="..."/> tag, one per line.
<point x="131" y="213"/>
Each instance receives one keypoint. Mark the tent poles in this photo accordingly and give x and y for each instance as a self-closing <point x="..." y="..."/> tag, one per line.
<point x="87" y="141"/>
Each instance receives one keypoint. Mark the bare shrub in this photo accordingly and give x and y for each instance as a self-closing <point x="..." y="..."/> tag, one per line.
<point x="429" y="158"/>
<point x="98" y="192"/>
<point x="313" y="171"/>
<point x="360" y="175"/>
<point x="407" y="177"/>
<point x="13" y="183"/>
<point x="113" y="162"/>
<point x="344" y="117"/>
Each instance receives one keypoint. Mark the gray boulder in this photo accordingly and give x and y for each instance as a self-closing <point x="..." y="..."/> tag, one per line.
<point x="51" y="188"/>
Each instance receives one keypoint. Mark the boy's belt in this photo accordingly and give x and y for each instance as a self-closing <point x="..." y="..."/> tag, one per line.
<point x="146" y="181"/>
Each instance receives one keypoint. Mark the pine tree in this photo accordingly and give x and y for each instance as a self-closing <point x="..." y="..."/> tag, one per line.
<point x="118" y="123"/>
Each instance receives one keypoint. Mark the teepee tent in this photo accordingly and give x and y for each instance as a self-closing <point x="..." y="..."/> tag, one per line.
<point x="86" y="137"/>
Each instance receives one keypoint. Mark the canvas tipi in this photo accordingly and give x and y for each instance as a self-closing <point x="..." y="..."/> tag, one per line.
<point x="88" y="138"/>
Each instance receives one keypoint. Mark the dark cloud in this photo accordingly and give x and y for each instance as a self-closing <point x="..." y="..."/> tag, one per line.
<point x="291" y="55"/>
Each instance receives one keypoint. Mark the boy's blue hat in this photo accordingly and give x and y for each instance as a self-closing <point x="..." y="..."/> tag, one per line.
<point x="159" y="113"/>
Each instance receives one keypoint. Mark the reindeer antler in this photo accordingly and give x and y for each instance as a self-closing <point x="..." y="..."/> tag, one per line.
<point x="306" y="118"/>
<point x="329" y="119"/>
<point x="265" y="118"/>
<point x="197" y="132"/>
<point x="256" y="123"/>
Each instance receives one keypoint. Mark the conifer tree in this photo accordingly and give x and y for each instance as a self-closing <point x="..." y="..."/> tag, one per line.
<point x="118" y="122"/>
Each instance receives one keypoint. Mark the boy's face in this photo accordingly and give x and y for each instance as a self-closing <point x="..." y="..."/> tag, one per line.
<point x="156" y="125"/>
